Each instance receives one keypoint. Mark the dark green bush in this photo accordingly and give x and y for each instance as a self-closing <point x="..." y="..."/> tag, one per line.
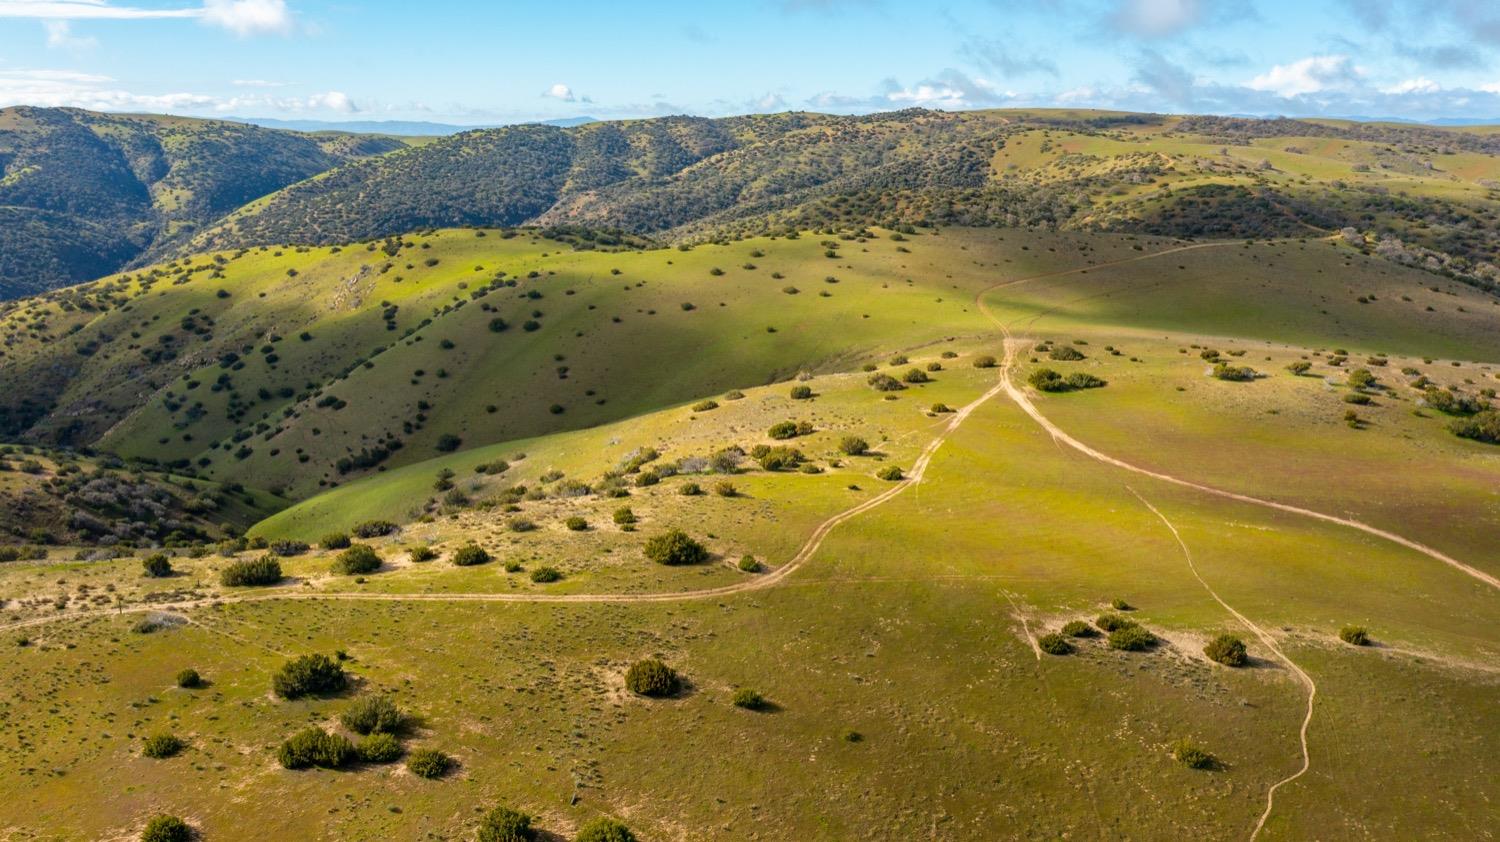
<point x="801" y="393"/>
<point x="1355" y="635"/>
<point x="624" y="516"/>
<point x="890" y="473"/>
<point x="984" y="361"/>
<point x="1300" y="367"/>
<point x="915" y="375"/>
<point x="674" y="547"/>
<point x="543" y="575"/>
<point x="724" y="488"/>
<point x="379" y="747"/>
<point x="604" y="830"/>
<point x="748" y="699"/>
<point x="308" y="675"/>
<point x="372" y="714"/>
<point x="1131" y="639"/>
<point x="470" y="555"/>
<point x="853" y="446"/>
<point x="1084" y="380"/>
<point x="1113" y="622"/>
<point x="429" y="763"/>
<point x="1065" y="353"/>
<point x="1047" y="380"/>
<point x="1225" y="371"/>
<point x="335" y="541"/>
<point x="374" y="529"/>
<point x="1054" y="644"/>
<point x="157" y="565"/>
<point x="777" y="458"/>
<point x="189" y="678"/>
<point x="421" y="553"/>
<point x="166" y="829"/>
<point x="883" y="382"/>
<point x="651" y="677"/>
<point x="1227" y="650"/>
<point x="705" y="406"/>
<point x="285" y="547"/>
<point x="265" y="570"/>
<point x="160" y="746"/>
<point x="576" y="524"/>
<point x="749" y="564"/>
<point x="1077" y="628"/>
<point x="503" y="824"/>
<point x="1484" y="427"/>
<point x="690" y="489"/>
<point x="315" y="747"/>
<point x="1191" y="755"/>
<point x="1120" y="605"/>
<point x="358" y="560"/>
<point x="783" y="430"/>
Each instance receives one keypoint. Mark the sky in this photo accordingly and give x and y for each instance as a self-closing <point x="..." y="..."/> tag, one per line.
<point x="497" y="61"/>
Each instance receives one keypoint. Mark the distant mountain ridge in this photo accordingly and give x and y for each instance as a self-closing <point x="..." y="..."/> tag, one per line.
<point x="404" y="128"/>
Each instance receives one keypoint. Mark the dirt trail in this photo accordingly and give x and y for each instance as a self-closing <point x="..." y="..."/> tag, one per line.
<point x="1270" y="643"/>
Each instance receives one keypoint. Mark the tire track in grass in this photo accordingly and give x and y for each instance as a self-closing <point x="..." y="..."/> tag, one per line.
<point x="1270" y="643"/>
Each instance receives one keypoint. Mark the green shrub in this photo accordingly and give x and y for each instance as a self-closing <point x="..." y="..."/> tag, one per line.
<point x="624" y="516"/>
<point x="421" y="553"/>
<point x="1358" y="398"/>
<point x="1077" y="628"/>
<point x="166" y="829"/>
<point x="984" y="361"/>
<point x="647" y="478"/>
<point x="783" y="430"/>
<point x="161" y="746"/>
<point x="1120" y="605"/>
<point x="1483" y="427"/>
<point x="690" y="489"/>
<point x="777" y="458"/>
<point x="883" y="382"/>
<point x="315" y="747"/>
<point x="705" y="406"/>
<point x="372" y="714"/>
<point x="189" y="679"/>
<point x="1191" y="755"/>
<point x="379" y="747"/>
<point x="265" y="570"/>
<point x="1227" y="650"/>
<point x="429" y="763"/>
<point x="1113" y="622"/>
<point x="749" y="564"/>
<point x="748" y="699"/>
<point x="1300" y="367"/>
<point x="853" y="446"/>
<point x="1084" y="380"/>
<point x="576" y="524"/>
<point x="358" y="560"/>
<point x="651" y="677"/>
<point x="1354" y="635"/>
<point x="374" y="529"/>
<point x="890" y="473"/>
<point x="1361" y="378"/>
<point x="801" y="393"/>
<point x="543" y="575"/>
<point x="1047" y="380"/>
<point x="1065" y="353"/>
<point x="335" y="541"/>
<point x="1225" y="371"/>
<point x="725" y="488"/>
<point x="604" y="830"/>
<point x="939" y="408"/>
<point x="1054" y="644"/>
<point x="157" y="565"/>
<point x="1131" y="639"/>
<point x="470" y="555"/>
<point x="674" y="548"/>
<point x="915" y="375"/>
<point x="503" y="824"/>
<point x="285" y="547"/>
<point x="308" y="675"/>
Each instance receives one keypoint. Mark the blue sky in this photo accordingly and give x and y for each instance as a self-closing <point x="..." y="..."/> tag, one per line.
<point x="503" y="61"/>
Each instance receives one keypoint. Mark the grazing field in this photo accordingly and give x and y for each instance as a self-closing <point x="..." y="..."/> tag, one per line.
<point x="904" y="632"/>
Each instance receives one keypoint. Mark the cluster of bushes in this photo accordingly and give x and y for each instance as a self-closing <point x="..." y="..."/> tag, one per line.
<point x="315" y="747"/>
<point x="1226" y="371"/>
<point x="1065" y="353"/>
<point x="358" y="560"/>
<point x="375" y="718"/>
<point x="779" y="458"/>
<point x="374" y="529"/>
<point x="156" y="565"/>
<point x="853" y="446"/>
<point x="1483" y="427"/>
<point x="470" y="555"/>
<point x="247" y="572"/>
<point x="1125" y="634"/>
<point x="1047" y="380"/>
<point x="1227" y="650"/>
<point x="651" y="677"/>
<point x="675" y="548"/>
<point x="789" y="429"/>
<point x="308" y="675"/>
<point x="883" y="382"/>
<point x="1454" y="403"/>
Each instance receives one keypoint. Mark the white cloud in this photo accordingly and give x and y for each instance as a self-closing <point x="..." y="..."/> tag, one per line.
<point x="769" y="102"/>
<point x="1419" y="85"/>
<point x="60" y="36"/>
<point x="248" y="17"/>
<point x="66" y="88"/>
<point x="1155" y="18"/>
<point x="331" y="101"/>
<point x="258" y="83"/>
<point x="1307" y="76"/>
<point x="562" y="92"/>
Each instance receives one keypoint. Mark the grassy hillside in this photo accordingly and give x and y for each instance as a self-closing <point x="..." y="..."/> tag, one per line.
<point x="82" y="194"/>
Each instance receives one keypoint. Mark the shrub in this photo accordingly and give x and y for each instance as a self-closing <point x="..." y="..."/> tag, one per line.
<point x="651" y="677"/>
<point x="984" y="361"/>
<point x="284" y="547"/>
<point x="1077" y="628"/>
<point x="801" y="393"/>
<point x="1225" y="371"/>
<point x="315" y="747"/>
<point x="335" y="541"/>
<point x="470" y="555"/>
<point x="748" y="699"/>
<point x="705" y="406"/>
<point x="883" y="382"/>
<point x="447" y="443"/>
<point x="1354" y="635"/>
<point x="160" y="746"/>
<point x="429" y="763"/>
<point x="503" y="824"/>
<point x="1084" y="380"/>
<point x="156" y="565"/>
<point x="1120" y="605"/>
<point x="421" y="553"/>
<point x="1054" y="644"/>
<point x="1358" y="398"/>
<point x="1065" y="353"/>
<point x="372" y="714"/>
<point x="674" y="548"/>
<point x="624" y="516"/>
<point x="1047" y="380"/>
<point x="357" y="561"/>
<point x="576" y="524"/>
<point x="783" y="430"/>
<point x="940" y="408"/>
<point x="1191" y="755"/>
<point x="604" y="830"/>
<point x="777" y="458"/>
<point x="1227" y="650"/>
<point x="1300" y="367"/>
<point x="646" y="478"/>
<point x="543" y="575"/>
<point x="1113" y="622"/>
<point x="853" y="446"/>
<point x="1484" y="427"/>
<point x="690" y="489"/>
<point x="890" y="473"/>
<point x="749" y="564"/>
<point x="726" y="489"/>
<point x="166" y="829"/>
<point x="265" y="570"/>
<point x="915" y="375"/>
<point x="308" y="675"/>
<point x="1361" y="378"/>
<point x="374" y="529"/>
<point x="1131" y="639"/>
<point x="379" y="747"/>
<point x="189" y="678"/>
